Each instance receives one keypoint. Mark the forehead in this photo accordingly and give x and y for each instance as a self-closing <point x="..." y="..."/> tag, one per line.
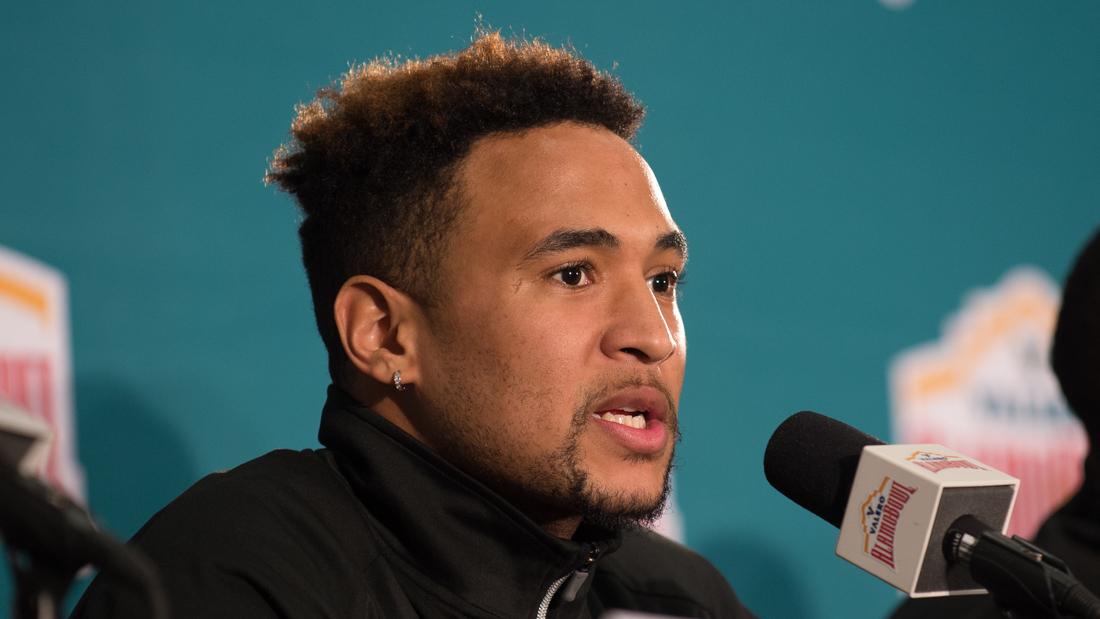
<point x="522" y="186"/>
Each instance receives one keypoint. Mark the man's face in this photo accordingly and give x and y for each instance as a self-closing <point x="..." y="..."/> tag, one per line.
<point x="552" y="369"/>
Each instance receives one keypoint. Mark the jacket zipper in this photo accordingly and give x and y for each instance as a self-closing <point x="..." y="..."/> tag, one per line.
<point x="544" y="606"/>
<point x="576" y="579"/>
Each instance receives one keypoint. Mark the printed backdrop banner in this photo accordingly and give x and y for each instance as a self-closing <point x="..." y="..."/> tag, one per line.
<point x="35" y="359"/>
<point x="843" y="170"/>
<point x="986" y="389"/>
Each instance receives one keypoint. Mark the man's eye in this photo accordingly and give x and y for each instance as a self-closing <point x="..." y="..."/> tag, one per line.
<point x="574" y="276"/>
<point x="664" y="283"/>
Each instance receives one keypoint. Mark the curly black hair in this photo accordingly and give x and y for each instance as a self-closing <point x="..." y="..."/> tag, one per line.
<point x="372" y="159"/>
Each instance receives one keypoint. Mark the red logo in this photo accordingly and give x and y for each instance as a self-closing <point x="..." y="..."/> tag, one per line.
<point x="879" y="516"/>
<point x="932" y="461"/>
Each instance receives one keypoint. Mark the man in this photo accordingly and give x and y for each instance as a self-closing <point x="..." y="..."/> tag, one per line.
<point x="494" y="274"/>
<point x="1072" y="533"/>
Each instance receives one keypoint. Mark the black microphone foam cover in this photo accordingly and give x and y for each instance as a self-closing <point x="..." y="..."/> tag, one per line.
<point x="812" y="459"/>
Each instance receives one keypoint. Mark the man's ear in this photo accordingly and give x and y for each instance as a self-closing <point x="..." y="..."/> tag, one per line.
<point x="378" y="328"/>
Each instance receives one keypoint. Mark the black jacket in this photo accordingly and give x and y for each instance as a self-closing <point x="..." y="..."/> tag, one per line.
<point x="376" y="525"/>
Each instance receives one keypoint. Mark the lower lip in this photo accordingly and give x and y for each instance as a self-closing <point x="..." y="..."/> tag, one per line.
<point x="648" y="440"/>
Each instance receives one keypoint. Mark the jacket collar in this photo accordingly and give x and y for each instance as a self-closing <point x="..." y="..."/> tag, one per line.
<point x="448" y="527"/>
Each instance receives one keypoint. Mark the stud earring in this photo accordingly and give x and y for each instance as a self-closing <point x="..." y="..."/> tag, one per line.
<point x="397" y="381"/>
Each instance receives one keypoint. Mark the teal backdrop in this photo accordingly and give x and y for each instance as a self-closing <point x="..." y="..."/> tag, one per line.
<point x="845" y="172"/>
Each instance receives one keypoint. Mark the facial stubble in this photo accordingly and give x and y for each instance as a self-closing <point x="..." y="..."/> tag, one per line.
<point x="556" y="486"/>
<point x="597" y="506"/>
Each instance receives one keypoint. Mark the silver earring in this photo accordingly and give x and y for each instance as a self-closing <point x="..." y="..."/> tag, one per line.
<point x="397" y="381"/>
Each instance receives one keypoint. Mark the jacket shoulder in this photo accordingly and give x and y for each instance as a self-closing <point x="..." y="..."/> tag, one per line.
<point x="261" y="506"/>
<point x="277" y="536"/>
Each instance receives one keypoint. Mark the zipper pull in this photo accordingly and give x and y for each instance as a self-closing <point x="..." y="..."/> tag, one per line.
<point x="577" y="579"/>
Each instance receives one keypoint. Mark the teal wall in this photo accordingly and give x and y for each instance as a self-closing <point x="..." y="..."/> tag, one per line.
<point x="845" y="172"/>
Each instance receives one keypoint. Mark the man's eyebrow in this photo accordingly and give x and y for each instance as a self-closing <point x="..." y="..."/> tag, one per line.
<point x="566" y="239"/>
<point x="675" y="241"/>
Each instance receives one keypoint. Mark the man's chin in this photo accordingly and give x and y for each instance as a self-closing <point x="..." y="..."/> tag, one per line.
<point x="619" y="514"/>
<point x="622" y="509"/>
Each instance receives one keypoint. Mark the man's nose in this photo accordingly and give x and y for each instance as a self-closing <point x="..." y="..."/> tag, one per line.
<point x="640" y="328"/>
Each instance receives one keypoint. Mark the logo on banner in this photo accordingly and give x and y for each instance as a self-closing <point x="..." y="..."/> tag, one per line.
<point x="35" y="362"/>
<point x="985" y="389"/>
<point x="936" y="462"/>
<point x="879" y="517"/>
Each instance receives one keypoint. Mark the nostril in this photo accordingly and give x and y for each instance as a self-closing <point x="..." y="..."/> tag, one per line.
<point x="637" y="353"/>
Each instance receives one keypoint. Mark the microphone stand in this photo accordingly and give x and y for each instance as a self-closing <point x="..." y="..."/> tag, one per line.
<point x="39" y="587"/>
<point x="49" y="538"/>
<point x="1026" y="582"/>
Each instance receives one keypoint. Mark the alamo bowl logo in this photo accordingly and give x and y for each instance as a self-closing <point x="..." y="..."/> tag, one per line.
<point x="35" y="362"/>
<point x="985" y="388"/>
<point x="936" y="462"/>
<point x="879" y="517"/>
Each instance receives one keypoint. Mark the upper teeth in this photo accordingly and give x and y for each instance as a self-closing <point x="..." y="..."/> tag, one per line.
<point x="634" y="421"/>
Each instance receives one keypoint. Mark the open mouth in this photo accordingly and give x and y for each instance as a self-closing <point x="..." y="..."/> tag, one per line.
<point x="635" y="409"/>
<point x="625" y="416"/>
<point x="635" y="418"/>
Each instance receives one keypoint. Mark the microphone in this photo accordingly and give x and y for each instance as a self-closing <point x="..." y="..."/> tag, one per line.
<point x="49" y="537"/>
<point x="924" y="518"/>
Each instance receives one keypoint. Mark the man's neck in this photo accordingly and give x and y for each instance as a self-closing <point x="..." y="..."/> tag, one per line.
<point x="380" y="401"/>
<point x="562" y="528"/>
